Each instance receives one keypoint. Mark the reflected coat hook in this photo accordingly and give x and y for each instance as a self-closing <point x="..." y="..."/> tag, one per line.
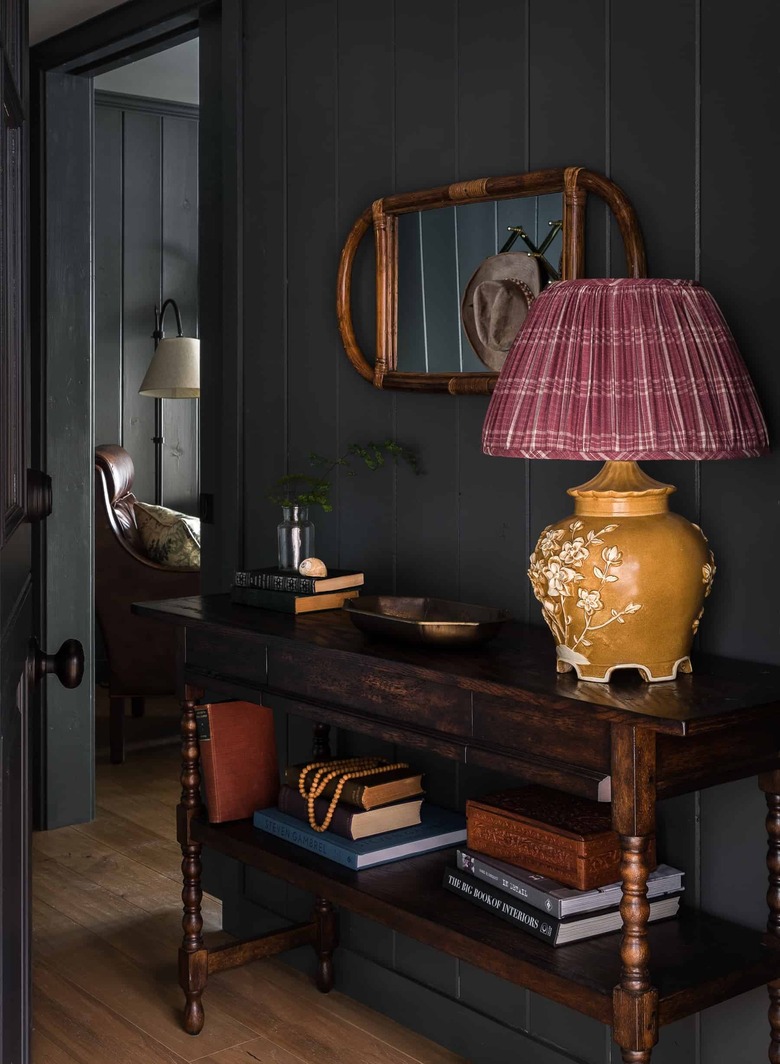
<point x="534" y="251"/>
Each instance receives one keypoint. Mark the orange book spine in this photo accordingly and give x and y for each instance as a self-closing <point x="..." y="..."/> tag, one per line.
<point x="238" y="759"/>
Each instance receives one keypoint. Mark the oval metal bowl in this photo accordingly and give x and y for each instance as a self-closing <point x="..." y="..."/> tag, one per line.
<point x="425" y="620"/>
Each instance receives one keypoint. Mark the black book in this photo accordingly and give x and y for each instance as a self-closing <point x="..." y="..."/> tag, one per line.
<point x="289" y="602"/>
<point x="273" y="579"/>
<point x="548" y="928"/>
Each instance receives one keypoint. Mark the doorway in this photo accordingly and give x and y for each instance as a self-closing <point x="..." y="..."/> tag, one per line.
<point x="145" y="258"/>
<point x="64" y="335"/>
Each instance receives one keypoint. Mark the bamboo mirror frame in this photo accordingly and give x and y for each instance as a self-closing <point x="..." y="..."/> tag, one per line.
<point x="574" y="182"/>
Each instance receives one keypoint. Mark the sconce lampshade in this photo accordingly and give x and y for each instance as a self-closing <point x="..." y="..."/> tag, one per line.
<point x="621" y="370"/>
<point x="174" y="372"/>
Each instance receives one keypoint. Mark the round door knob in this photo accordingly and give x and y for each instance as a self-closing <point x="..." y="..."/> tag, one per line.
<point x="39" y="496"/>
<point x="67" y="664"/>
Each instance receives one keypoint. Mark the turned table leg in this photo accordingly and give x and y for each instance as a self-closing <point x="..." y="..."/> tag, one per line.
<point x="193" y="957"/>
<point x="635" y="1000"/>
<point x="325" y="941"/>
<point x="769" y="782"/>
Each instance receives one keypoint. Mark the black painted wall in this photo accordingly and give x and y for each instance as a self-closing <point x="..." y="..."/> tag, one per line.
<point x="146" y="250"/>
<point x="344" y="101"/>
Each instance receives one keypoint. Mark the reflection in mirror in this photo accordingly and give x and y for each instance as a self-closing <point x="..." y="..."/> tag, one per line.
<point x="440" y="251"/>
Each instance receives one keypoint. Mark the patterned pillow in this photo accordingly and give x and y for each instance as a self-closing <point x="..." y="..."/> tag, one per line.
<point x="169" y="538"/>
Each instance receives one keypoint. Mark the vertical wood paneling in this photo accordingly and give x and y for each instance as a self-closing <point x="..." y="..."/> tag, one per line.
<point x="365" y="159"/>
<point x="568" y="97"/>
<point x="150" y="193"/>
<point x="142" y="251"/>
<point x="108" y="274"/>
<point x="228" y="351"/>
<point x="412" y="324"/>
<point x="736" y="188"/>
<point x="265" y="274"/>
<point x="666" y="154"/>
<point x="426" y="144"/>
<point x="311" y="223"/>
<point x="210" y="240"/>
<point x="439" y="249"/>
<point x="180" y="282"/>
<point x="492" y="116"/>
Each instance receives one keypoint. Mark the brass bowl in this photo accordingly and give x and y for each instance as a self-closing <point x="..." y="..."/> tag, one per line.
<point x="425" y="620"/>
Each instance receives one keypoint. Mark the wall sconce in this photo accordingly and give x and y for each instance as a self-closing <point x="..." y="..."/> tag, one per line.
<point x="173" y="373"/>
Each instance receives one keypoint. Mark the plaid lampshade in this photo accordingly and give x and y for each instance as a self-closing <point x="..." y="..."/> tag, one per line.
<point x="625" y="370"/>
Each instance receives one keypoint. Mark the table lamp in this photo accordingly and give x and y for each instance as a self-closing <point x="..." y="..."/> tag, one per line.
<point x="624" y="370"/>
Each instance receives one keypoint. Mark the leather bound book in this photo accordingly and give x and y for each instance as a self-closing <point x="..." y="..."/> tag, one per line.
<point x="347" y="820"/>
<point x="567" y="838"/>
<point x="238" y="759"/>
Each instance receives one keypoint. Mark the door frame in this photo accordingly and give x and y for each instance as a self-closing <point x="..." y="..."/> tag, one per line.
<point x="101" y="44"/>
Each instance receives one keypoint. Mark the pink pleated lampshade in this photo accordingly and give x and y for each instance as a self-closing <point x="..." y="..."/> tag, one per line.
<point x="625" y="370"/>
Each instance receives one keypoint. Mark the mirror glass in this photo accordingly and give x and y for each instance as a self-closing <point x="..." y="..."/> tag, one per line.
<point x="439" y="252"/>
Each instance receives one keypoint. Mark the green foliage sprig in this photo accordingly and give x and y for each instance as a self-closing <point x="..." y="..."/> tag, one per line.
<point x="307" y="489"/>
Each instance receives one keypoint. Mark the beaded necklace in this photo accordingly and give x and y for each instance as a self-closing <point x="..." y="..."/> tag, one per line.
<point x="346" y="769"/>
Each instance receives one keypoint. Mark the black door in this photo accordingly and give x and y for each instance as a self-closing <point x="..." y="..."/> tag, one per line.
<point x="21" y="665"/>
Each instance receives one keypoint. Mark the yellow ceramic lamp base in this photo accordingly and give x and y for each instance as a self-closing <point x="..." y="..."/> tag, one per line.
<point x="622" y="581"/>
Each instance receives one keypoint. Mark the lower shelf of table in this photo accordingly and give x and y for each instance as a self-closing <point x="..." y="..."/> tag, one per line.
<point x="696" y="960"/>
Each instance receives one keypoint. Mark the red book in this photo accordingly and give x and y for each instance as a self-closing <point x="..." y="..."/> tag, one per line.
<point x="238" y="759"/>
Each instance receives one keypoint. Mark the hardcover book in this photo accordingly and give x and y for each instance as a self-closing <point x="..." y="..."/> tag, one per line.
<point x="556" y="932"/>
<point x="439" y="829"/>
<point x="237" y="758"/>
<point x="367" y="792"/>
<point x="568" y="838"/>
<point x="273" y="579"/>
<point x="289" y="602"/>
<point x="553" y="898"/>
<point x="349" y="822"/>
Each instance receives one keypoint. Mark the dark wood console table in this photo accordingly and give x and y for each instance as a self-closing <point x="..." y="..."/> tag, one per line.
<point x="500" y="706"/>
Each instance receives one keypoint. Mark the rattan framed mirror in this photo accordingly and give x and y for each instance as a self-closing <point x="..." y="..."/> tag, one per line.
<point x="385" y="216"/>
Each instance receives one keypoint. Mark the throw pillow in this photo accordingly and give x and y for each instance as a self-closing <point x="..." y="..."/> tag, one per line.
<point x="169" y="538"/>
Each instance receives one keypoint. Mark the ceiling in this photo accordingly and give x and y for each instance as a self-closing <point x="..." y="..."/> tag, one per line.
<point x="168" y="75"/>
<point x="49" y="17"/>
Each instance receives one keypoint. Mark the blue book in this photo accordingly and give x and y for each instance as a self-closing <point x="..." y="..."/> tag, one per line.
<point x="439" y="829"/>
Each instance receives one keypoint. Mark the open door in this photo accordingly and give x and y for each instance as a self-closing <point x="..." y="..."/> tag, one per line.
<point x="23" y="499"/>
<point x="63" y="445"/>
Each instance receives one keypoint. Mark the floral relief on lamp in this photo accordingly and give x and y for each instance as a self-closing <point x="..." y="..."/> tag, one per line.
<point x="621" y="370"/>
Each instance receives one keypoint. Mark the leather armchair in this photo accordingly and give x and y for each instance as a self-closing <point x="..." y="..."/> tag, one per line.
<point x="141" y="653"/>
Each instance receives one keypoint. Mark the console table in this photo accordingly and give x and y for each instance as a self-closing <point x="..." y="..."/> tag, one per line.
<point x="502" y="706"/>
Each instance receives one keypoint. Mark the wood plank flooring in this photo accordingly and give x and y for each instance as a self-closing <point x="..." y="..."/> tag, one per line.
<point x="106" y="927"/>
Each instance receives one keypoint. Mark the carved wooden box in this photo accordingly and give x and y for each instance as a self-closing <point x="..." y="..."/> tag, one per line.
<point x="559" y="835"/>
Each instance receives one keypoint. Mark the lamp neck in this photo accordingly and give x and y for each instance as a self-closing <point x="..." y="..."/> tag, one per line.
<point x="159" y="315"/>
<point x="621" y="489"/>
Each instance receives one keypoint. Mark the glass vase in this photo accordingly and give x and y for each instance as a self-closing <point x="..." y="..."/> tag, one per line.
<point x="295" y="537"/>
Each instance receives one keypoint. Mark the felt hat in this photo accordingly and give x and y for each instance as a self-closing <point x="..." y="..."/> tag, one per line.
<point x="496" y="301"/>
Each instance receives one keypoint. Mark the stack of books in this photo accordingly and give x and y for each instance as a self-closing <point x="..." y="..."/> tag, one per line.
<point x="272" y="589"/>
<point x="549" y="863"/>
<point x="378" y="819"/>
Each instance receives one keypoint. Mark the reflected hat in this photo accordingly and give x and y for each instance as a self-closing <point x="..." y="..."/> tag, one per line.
<point x="496" y="301"/>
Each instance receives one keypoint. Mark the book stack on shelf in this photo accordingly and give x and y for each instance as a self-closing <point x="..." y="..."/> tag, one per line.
<point x="379" y="814"/>
<point x="549" y="863"/>
<point x="273" y="589"/>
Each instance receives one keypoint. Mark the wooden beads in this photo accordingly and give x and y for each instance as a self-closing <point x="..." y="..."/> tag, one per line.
<point x="346" y="769"/>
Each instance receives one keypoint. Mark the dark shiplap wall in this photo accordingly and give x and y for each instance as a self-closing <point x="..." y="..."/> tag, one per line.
<point x="344" y="101"/>
<point x="146" y="250"/>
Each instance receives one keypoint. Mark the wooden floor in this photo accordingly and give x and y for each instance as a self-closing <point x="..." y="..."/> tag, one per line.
<point x="106" y="927"/>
